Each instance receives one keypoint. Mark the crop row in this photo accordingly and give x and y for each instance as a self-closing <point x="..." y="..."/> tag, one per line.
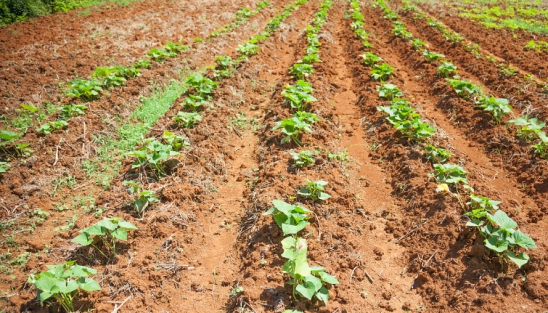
<point x="63" y="282"/>
<point x="500" y="232"/>
<point x="90" y="89"/>
<point x="528" y="128"/>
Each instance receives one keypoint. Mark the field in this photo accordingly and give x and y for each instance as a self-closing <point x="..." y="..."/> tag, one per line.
<point x="277" y="156"/>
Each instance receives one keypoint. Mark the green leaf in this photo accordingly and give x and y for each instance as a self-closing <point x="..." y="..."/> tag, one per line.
<point x="520" y="259"/>
<point x="82" y="271"/>
<point x="289" y="229"/>
<point x="475" y="223"/>
<point x="67" y="286"/>
<point x="43" y="296"/>
<point x="330" y="279"/>
<point x="88" y="284"/>
<point x="307" y="290"/>
<point x="119" y="233"/>
<point x="127" y="225"/>
<point x="496" y="245"/>
<point x="83" y="239"/>
<point x="523" y="240"/>
<point x="46" y="281"/>
<point x="323" y="295"/>
<point x="502" y="220"/>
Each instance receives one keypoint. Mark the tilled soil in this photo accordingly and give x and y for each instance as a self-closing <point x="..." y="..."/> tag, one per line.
<point x="393" y="242"/>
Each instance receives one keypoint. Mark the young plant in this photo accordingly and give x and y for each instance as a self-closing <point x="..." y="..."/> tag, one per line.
<point x="303" y="158"/>
<point x="464" y="88"/>
<point x="541" y="148"/>
<point x="314" y="190"/>
<point x="84" y="89"/>
<point x="402" y="32"/>
<point x="382" y="72"/>
<point x="202" y="85"/>
<point x="248" y="49"/>
<point x="142" y="64"/>
<point x="109" y="76"/>
<point x="432" y="56"/>
<point x="498" y="107"/>
<point x="436" y="155"/>
<point x="370" y="58"/>
<point x="449" y="174"/>
<point x="418" y="44"/>
<point x="293" y="127"/>
<point x="446" y="69"/>
<point x="502" y="237"/>
<point x="415" y="129"/>
<point x="144" y="197"/>
<point x="301" y="70"/>
<point x="389" y="91"/>
<point x="72" y="110"/>
<point x="529" y="128"/>
<point x="187" y="119"/>
<point x="108" y="231"/>
<point x="49" y="127"/>
<point x="4" y="167"/>
<point x="175" y="47"/>
<point x="290" y="218"/>
<point x="299" y="96"/>
<point x="153" y="154"/>
<point x="160" y="55"/>
<point x="480" y="206"/>
<point x="307" y="281"/>
<point x="63" y="282"/>
<point x="176" y="142"/>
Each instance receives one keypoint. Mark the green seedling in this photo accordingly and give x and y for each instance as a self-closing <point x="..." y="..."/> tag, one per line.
<point x="50" y="127"/>
<point x="23" y="149"/>
<point x="294" y="126"/>
<point x="341" y="156"/>
<point x="290" y="218"/>
<point x="71" y="110"/>
<point x="502" y="237"/>
<point x="402" y="32"/>
<point x="432" y="56"/>
<point x="144" y="197"/>
<point x="382" y="72"/>
<point x="86" y="90"/>
<point x="63" y="282"/>
<point x="436" y="155"/>
<point x="299" y="96"/>
<point x="175" y="141"/>
<point x="528" y="128"/>
<point x="7" y="137"/>
<point x="194" y="102"/>
<point x="311" y="58"/>
<point x="153" y="154"/>
<point x="142" y="64"/>
<point x="508" y="70"/>
<point x="314" y="190"/>
<point x="109" y="76"/>
<point x="4" y="167"/>
<point x="480" y="206"/>
<point x="464" y="88"/>
<point x="303" y="158"/>
<point x="307" y="281"/>
<point x="446" y="69"/>
<point x="175" y="47"/>
<point x="541" y="148"/>
<point x="498" y="107"/>
<point x="539" y="46"/>
<point x="248" y="49"/>
<point x="187" y="119"/>
<point x="389" y="91"/>
<point x="370" y="58"/>
<point x="301" y="70"/>
<point x="160" y="55"/>
<point x="108" y="232"/>
<point x="449" y="174"/>
<point x="418" y="44"/>
<point x="202" y="85"/>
